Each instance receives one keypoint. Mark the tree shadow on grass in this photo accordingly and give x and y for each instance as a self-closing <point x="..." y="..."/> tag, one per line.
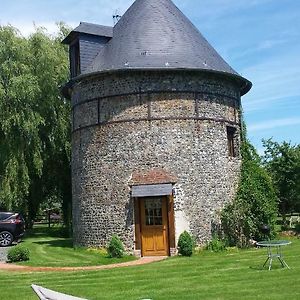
<point x="58" y="231"/>
<point x="65" y="243"/>
<point x="257" y="268"/>
<point x="275" y="266"/>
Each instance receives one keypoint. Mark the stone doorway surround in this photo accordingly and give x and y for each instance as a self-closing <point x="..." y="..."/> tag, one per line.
<point x="155" y="182"/>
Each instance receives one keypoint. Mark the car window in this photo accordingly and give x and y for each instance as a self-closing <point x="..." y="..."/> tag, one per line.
<point x="4" y="216"/>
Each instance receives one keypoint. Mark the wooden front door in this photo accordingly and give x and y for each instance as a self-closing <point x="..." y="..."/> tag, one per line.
<point x="154" y="226"/>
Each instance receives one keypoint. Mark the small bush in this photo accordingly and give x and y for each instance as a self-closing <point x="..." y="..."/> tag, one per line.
<point x="18" y="253"/>
<point x="115" y="247"/>
<point x="216" y="245"/>
<point x="297" y="227"/>
<point x="185" y="244"/>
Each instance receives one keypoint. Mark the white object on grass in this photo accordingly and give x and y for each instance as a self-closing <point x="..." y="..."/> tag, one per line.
<point x="46" y="294"/>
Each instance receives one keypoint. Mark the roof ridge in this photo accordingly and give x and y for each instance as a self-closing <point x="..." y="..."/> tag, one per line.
<point x="94" y="24"/>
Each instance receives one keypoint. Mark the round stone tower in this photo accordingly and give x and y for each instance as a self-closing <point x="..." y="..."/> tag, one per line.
<point x="156" y="130"/>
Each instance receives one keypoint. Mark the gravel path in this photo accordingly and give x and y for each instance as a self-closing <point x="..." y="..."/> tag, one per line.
<point x="141" y="261"/>
<point x="3" y="253"/>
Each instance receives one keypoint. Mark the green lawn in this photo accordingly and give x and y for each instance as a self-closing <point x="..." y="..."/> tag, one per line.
<point x="48" y="248"/>
<point x="235" y="274"/>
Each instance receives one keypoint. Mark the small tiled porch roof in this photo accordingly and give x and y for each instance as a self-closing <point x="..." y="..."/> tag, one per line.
<point x="153" y="176"/>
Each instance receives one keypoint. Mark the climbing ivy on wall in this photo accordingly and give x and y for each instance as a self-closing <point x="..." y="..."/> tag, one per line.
<point x="255" y="204"/>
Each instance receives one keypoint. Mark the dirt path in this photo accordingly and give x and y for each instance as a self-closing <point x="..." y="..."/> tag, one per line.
<point x="141" y="261"/>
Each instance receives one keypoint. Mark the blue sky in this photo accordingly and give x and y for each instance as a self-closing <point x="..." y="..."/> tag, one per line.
<point x="260" y="39"/>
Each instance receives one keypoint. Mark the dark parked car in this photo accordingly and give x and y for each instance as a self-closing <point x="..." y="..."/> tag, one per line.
<point x="12" y="227"/>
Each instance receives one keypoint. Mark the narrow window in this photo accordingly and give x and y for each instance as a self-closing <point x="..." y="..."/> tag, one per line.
<point x="230" y="141"/>
<point x="75" y="59"/>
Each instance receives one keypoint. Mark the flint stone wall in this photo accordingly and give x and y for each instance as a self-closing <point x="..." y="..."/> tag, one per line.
<point x="136" y="121"/>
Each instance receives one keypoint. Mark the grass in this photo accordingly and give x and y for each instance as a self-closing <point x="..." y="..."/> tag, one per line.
<point x="235" y="274"/>
<point x="48" y="248"/>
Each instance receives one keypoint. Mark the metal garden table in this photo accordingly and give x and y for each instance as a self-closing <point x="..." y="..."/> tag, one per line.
<point x="274" y="251"/>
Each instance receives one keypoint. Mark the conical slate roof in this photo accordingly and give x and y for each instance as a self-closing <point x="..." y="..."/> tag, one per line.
<point x="155" y="34"/>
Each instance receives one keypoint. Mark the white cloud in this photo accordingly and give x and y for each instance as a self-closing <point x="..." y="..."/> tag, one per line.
<point x="26" y="27"/>
<point x="46" y="14"/>
<point x="218" y="8"/>
<point x="275" y="81"/>
<point x="268" y="44"/>
<point x="271" y="124"/>
<point x="237" y="53"/>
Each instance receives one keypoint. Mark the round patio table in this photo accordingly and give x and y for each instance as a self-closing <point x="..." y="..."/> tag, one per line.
<point x="274" y="249"/>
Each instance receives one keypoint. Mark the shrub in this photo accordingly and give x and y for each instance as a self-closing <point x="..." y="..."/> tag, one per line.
<point x="18" y="253"/>
<point x="297" y="227"/>
<point x="185" y="244"/>
<point x="115" y="247"/>
<point x="284" y="227"/>
<point x="216" y="245"/>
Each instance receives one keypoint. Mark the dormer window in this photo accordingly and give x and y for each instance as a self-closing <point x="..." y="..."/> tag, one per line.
<point x="85" y="42"/>
<point x="231" y="141"/>
<point x="75" y="59"/>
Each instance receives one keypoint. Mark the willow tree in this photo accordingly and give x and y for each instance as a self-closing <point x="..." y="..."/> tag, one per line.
<point x="35" y="127"/>
<point x="20" y="144"/>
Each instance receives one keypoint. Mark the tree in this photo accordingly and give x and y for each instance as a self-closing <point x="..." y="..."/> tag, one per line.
<point x="283" y="163"/>
<point x="255" y="204"/>
<point x="50" y="66"/>
<point x="35" y="127"/>
<point x="20" y="145"/>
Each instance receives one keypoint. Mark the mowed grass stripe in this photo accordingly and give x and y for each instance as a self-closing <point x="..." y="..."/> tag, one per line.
<point x="48" y="249"/>
<point x="235" y="274"/>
